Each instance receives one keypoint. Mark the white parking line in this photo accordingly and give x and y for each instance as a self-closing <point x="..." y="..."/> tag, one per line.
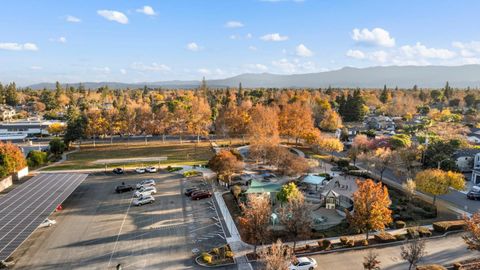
<point x="119" y="232"/>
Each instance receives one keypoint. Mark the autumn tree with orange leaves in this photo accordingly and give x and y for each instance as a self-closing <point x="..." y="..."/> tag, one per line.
<point x="11" y="159"/>
<point x="295" y="120"/>
<point x="472" y="227"/>
<point x="371" y="207"/>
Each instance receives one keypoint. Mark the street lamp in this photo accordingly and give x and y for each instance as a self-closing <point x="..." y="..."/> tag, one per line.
<point x="440" y="162"/>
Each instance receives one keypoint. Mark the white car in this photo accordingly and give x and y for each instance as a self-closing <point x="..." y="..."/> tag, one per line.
<point x="151" y="169"/>
<point x="140" y="170"/>
<point x="47" y="223"/>
<point x="146" y="183"/>
<point x="303" y="263"/>
<point x="145" y="191"/>
<point x="143" y="200"/>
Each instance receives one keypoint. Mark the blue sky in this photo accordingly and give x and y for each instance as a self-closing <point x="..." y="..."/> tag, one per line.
<point x="137" y="41"/>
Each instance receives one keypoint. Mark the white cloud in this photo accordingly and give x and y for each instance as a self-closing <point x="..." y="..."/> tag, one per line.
<point x="274" y="37"/>
<point x="303" y="51"/>
<point x="233" y="24"/>
<point x="256" y="68"/>
<point x="377" y="36"/>
<point x="233" y="37"/>
<point x="36" y="67"/>
<point x="379" y="56"/>
<point x="357" y="54"/>
<point x="72" y="19"/>
<point x="60" y="40"/>
<point x="252" y="48"/>
<point x="213" y="72"/>
<point x="123" y="71"/>
<point x="147" y="10"/>
<point x="422" y="51"/>
<point x="468" y="49"/>
<point x="192" y="46"/>
<point x="13" y="46"/>
<point x="105" y="70"/>
<point x="248" y="36"/>
<point x="285" y="65"/>
<point x="113" y="15"/>
<point x="152" y="67"/>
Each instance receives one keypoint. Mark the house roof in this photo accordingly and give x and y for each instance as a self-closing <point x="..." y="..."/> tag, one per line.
<point x="328" y="192"/>
<point x="313" y="179"/>
<point x="467" y="152"/>
<point x="259" y="187"/>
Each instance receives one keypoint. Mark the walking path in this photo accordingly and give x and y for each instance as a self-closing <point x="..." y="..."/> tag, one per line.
<point x="239" y="247"/>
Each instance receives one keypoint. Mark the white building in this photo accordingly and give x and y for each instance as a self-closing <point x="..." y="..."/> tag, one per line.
<point x="476" y="170"/>
<point x="19" y="129"/>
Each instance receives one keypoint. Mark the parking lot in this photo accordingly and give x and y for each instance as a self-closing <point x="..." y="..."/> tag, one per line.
<point x="99" y="229"/>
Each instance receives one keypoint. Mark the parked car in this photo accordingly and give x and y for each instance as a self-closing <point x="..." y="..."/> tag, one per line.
<point x="145" y="191"/>
<point x="474" y="193"/>
<point x="151" y="169"/>
<point x="189" y="191"/>
<point x="201" y="195"/>
<point x="143" y="200"/>
<point x="47" y="223"/>
<point x="146" y="183"/>
<point x="118" y="171"/>
<point x="303" y="263"/>
<point x="140" y="170"/>
<point x="123" y="188"/>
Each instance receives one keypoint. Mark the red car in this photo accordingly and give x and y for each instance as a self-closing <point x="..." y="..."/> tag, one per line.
<point x="198" y="195"/>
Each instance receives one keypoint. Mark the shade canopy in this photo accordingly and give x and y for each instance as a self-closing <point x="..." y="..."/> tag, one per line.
<point x="259" y="187"/>
<point x="313" y="179"/>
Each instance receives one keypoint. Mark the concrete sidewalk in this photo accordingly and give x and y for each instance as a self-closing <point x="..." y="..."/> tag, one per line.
<point x="239" y="248"/>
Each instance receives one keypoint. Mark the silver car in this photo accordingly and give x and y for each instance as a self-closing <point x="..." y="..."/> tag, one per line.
<point x="145" y="191"/>
<point x="143" y="200"/>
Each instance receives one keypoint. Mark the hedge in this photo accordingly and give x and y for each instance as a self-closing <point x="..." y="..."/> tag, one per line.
<point x="400" y="224"/>
<point x="384" y="237"/>
<point x="445" y="226"/>
<point x="431" y="267"/>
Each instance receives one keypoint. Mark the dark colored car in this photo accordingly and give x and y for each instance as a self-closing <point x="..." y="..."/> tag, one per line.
<point x="201" y="195"/>
<point x="124" y="188"/>
<point x="189" y="191"/>
<point x="474" y="194"/>
<point x="118" y="170"/>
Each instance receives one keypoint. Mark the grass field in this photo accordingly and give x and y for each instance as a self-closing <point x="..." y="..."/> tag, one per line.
<point x="176" y="153"/>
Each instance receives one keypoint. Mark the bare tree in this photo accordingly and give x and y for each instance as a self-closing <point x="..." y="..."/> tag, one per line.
<point x="277" y="256"/>
<point x="371" y="262"/>
<point x="295" y="215"/>
<point x="472" y="238"/>
<point x="413" y="252"/>
<point x="255" y="218"/>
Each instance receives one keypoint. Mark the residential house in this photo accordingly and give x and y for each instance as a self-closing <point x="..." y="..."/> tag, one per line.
<point x="380" y="123"/>
<point x="476" y="170"/>
<point x="464" y="159"/>
<point x="7" y="112"/>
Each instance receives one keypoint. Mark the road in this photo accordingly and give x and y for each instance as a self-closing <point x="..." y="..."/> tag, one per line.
<point x="442" y="251"/>
<point x="455" y="198"/>
<point x="99" y="229"/>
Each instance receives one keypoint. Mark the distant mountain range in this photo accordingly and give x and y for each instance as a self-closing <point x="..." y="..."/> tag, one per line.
<point x="373" y="77"/>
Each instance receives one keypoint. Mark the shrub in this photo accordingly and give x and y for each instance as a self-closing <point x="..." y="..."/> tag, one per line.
<point x="424" y="232"/>
<point x="36" y="158"/>
<point x="350" y="243"/>
<point x="445" y="226"/>
<point x="457" y="266"/>
<point x="412" y="233"/>
<point x="325" y="244"/>
<point x="431" y="267"/>
<point x="191" y="173"/>
<point x="364" y="242"/>
<point x="207" y="258"/>
<point x="229" y="255"/>
<point x="343" y="240"/>
<point x="215" y="251"/>
<point x="384" y="237"/>
<point x="400" y="237"/>
<point x="173" y="169"/>
<point x="399" y="224"/>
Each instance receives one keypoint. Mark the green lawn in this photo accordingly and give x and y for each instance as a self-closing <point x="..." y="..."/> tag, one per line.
<point x="186" y="153"/>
